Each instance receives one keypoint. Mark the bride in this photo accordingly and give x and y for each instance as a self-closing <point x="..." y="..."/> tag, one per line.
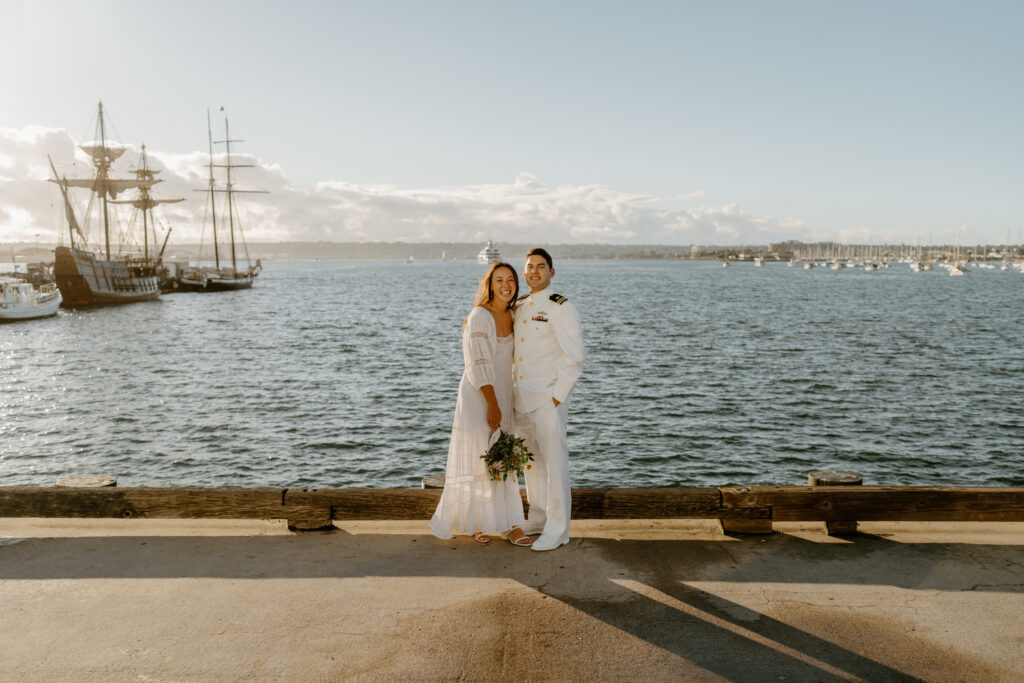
<point x="472" y="503"/>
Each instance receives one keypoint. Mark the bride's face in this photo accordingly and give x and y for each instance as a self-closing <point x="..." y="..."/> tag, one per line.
<point x="503" y="284"/>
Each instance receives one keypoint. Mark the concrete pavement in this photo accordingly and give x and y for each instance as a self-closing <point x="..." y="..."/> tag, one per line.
<point x="180" y="600"/>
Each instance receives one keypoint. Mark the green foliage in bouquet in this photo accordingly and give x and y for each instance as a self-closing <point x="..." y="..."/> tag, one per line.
<point x="508" y="455"/>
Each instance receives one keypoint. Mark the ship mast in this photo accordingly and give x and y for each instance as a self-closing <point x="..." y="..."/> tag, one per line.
<point x="145" y="202"/>
<point x="231" y="208"/>
<point x="103" y="166"/>
<point x="105" y="186"/>
<point x="213" y="203"/>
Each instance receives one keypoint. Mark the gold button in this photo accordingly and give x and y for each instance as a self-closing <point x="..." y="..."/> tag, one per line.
<point x="538" y="328"/>
<point x="520" y="376"/>
<point x="522" y="339"/>
<point x="531" y="303"/>
<point x="520" y="357"/>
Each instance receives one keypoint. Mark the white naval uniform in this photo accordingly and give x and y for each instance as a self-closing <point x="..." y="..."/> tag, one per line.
<point x="548" y="362"/>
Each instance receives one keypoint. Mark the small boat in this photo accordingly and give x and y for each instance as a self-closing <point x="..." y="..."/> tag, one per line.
<point x="759" y="262"/>
<point x="19" y="300"/>
<point x="489" y="254"/>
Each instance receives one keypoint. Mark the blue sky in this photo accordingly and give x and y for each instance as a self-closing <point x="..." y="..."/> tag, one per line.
<point x="671" y="122"/>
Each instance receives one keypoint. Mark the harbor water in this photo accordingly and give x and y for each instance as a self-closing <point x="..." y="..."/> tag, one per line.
<point x="344" y="374"/>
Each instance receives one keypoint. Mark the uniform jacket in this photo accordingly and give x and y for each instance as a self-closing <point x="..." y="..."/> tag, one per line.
<point x="548" y="350"/>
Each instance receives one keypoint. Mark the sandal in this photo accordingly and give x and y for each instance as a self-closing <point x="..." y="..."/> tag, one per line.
<point x="481" y="538"/>
<point x="516" y="536"/>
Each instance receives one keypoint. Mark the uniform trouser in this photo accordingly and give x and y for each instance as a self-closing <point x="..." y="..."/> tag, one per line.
<point x="547" y="481"/>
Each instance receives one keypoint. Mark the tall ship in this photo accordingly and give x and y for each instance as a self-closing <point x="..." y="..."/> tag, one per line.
<point x="489" y="254"/>
<point x="221" y="276"/>
<point x="121" y="274"/>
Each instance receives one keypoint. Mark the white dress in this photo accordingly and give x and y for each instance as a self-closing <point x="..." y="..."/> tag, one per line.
<point x="471" y="500"/>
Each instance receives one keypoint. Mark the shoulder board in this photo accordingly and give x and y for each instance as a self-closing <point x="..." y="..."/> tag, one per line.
<point x="558" y="298"/>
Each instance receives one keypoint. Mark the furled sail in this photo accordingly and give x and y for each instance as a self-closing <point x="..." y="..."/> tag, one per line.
<point x="102" y="154"/>
<point x="113" y="186"/>
<point x="146" y="203"/>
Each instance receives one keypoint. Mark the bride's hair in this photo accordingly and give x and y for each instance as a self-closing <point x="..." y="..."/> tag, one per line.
<point x="485" y="292"/>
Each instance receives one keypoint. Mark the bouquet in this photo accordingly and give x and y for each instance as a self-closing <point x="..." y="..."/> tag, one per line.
<point x="507" y="454"/>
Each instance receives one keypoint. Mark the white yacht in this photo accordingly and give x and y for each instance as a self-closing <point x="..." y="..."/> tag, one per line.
<point x="489" y="254"/>
<point x="19" y="300"/>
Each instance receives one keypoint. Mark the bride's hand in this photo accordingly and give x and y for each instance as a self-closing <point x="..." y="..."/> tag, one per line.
<point x="493" y="415"/>
<point x="493" y="411"/>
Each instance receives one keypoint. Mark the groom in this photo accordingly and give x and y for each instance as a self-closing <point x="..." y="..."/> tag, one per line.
<point x="549" y="360"/>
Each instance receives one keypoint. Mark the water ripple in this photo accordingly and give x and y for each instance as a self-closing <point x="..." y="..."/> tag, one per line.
<point x="345" y="374"/>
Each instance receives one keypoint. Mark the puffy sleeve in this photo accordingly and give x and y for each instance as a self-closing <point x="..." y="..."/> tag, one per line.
<point x="478" y="347"/>
<point x="569" y="334"/>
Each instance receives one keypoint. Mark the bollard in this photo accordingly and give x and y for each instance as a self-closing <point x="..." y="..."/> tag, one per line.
<point x="836" y="478"/>
<point x="87" y="481"/>
<point x="432" y="481"/>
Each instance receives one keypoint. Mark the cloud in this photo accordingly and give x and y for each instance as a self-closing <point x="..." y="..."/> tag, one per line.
<point x="523" y="210"/>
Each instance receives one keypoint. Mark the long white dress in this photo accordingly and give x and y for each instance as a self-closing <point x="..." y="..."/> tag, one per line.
<point x="471" y="500"/>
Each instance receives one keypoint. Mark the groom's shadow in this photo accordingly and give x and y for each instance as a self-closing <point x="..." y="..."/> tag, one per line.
<point x="645" y="588"/>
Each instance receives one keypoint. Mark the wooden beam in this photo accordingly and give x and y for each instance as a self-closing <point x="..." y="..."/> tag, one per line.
<point x="306" y="508"/>
<point x="881" y="503"/>
<point x="595" y="503"/>
<point x="157" y="502"/>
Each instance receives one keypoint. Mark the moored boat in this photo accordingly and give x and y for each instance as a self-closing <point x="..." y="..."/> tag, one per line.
<point x="114" y="276"/>
<point x="19" y="300"/>
<point x="221" y="277"/>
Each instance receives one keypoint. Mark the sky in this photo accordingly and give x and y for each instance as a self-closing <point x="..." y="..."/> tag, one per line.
<point x="727" y="122"/>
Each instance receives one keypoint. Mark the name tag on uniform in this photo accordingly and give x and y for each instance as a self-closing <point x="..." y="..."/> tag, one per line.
<point x="540" y="317"/>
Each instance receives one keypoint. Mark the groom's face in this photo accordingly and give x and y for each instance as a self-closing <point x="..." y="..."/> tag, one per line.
<point x="537" y="273"/>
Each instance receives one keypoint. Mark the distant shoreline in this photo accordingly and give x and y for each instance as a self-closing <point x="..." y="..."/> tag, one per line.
<point x="27" y="252"/>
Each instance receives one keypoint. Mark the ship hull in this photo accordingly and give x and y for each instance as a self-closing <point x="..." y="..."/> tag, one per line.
<point x="227" y="284"/>
<point x="85" y="280"/>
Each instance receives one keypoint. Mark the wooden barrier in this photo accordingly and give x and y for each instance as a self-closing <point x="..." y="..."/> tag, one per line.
<point x="756" y="507"/>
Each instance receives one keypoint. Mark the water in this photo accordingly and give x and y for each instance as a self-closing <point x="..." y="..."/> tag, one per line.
<point x="344" y="374"/>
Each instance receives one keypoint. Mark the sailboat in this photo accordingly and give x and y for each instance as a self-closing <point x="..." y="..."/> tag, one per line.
<point x="222" y="277"/>
<point x="115" y="276"/>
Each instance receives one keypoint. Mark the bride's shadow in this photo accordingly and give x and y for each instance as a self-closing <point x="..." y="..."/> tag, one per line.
<point x="649" y="589"/>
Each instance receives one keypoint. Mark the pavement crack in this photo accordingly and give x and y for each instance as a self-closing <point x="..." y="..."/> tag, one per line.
<point x="728" y="553"/>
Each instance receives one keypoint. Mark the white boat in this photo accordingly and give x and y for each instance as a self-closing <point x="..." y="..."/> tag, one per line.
<point x="489" y="254"/>
<point x="758" y="261"/>
<point x="19" y="300"/>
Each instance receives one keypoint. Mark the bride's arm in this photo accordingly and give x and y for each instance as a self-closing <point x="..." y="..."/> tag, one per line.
<point x="478" y="348"/>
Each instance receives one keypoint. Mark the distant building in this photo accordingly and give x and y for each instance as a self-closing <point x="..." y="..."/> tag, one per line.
<point x="695" y="251"/>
